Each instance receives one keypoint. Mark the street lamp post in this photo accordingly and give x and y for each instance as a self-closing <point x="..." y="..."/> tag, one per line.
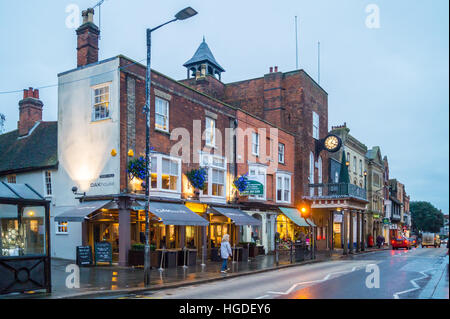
<point x="182" y="15"/>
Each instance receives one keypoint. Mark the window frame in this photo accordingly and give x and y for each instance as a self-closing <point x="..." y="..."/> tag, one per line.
<point x="208" y="131"/>
<point x="159" y="182"/>
<point x="11" y="179"/>
<point x="58" y="225"/>
<point x="159" y="114"/>
<point x="316" y="125"/>
<point x="255" y="134"/>
<point x="283" y="189"/>
<point x="209" y="165"/>
<point x="93" y="104"/>
<point x="46" y="184"/>
<point x="282" y="153"/>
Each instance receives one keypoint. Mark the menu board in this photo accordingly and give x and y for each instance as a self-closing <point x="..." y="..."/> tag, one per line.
<point x="84" y="255"/>
<point x="103" y="252"/>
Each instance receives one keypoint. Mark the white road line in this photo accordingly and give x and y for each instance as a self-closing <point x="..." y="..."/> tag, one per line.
<point x="413" y="282"/>
<point x="262" y="297"/>
<point x="312" y="281"/>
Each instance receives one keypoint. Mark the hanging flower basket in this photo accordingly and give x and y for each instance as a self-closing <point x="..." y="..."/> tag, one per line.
<point x="197" y="178"/>
<point x="136" y="168"/>
<point x="241" y="183"/>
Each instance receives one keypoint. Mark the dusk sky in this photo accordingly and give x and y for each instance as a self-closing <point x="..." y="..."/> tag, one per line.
<point x="389" y="84"/>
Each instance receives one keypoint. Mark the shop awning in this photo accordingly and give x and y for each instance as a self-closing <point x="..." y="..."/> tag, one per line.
<point x="173" y="214"/>
<point x="79" y="212"/>
<point x="237" y="216"/>
<point x="294" y="215"/>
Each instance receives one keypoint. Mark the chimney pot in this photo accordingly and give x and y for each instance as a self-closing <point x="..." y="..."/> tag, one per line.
<point x="30" y="111"/>
<point x="276" y="69"/>
<point x="271" y="69"/>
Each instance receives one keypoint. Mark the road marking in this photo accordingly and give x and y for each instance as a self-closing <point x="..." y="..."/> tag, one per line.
<point x="312" y="281"/>
<point x="413" y="282"/>
<point x="262" y="297"/>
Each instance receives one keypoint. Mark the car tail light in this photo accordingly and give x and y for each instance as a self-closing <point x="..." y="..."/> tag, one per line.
<point x="406" y="241"/>
<point x="393" y="241"/>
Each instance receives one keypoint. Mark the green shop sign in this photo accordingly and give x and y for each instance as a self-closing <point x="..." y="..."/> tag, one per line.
<point x="376" y="215"/>
<point x="253" y="188"/>
<point x="386" y="221"/>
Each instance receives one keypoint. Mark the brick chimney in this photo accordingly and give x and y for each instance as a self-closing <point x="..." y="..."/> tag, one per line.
<point x="88" y="34"/>
<point x="30" y="111"/>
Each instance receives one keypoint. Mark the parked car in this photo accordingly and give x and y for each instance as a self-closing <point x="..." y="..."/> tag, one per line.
<point x="401" y="242"/>
<point x="413" y="241"/>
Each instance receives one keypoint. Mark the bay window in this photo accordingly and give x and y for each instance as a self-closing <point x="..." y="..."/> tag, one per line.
<point x="165" y="173"/>
<point x="216" y="171"/>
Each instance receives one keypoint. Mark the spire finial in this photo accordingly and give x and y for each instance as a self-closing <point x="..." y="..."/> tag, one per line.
<point x="204" y="39"/>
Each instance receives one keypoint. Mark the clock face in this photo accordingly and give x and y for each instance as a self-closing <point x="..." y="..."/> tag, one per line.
<point x="331" y="143"/>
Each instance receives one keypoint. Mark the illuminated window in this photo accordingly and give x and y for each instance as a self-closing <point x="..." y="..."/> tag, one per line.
<point x="62" y="227"/>
<point x="101" y="100"/>
<point x="210" y="132"/>
<point x="165" y="173"/>
<point x="11" y="179"/>
<point x="169" y="174"/>
<point x="161" y="114"/>
<point x="215" y="168"/>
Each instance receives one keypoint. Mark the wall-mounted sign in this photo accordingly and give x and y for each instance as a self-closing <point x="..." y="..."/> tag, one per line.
<point x="376" y="215"/>
<point x="254" y="187"/>
<point x="386" y="221"/>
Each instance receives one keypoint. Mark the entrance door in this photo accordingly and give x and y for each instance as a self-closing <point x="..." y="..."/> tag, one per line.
<point x="337" y="235"/>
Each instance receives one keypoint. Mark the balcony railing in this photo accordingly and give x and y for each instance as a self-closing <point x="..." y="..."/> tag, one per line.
<point x="336" y="190"/>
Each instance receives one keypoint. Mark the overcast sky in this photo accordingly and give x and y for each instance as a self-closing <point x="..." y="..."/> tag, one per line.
<point x="390" y="84"/>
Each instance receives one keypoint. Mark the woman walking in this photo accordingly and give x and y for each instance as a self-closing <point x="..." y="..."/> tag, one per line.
<point x="225" y="252"/>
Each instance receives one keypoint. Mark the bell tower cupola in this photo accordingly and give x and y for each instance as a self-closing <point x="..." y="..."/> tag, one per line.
<point x="203" y="63"/>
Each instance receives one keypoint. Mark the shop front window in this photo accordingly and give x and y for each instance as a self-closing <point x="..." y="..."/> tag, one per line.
<point x="285" y="228"/>
<point x="22" y="230"/>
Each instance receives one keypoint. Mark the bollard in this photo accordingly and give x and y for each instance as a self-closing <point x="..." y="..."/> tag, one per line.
<point x="276" y="254"/>
<point x="162" y="259"/>
<point x="203" y="256"/>
<point x="248" y="254"/>
<point x="184" y="258"/>
<point x="292" y="246"/>
<point x="234" y="247"/>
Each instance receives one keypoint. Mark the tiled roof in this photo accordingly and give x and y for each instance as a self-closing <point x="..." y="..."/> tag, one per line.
<point x="38" y="150"/>
<point x="203" y="54"/>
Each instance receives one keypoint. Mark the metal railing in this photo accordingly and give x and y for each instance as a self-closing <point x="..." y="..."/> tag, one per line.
<point x="335" y="190"/>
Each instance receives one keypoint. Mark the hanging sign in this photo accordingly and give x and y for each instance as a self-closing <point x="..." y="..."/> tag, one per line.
<point x="255" y="185"/>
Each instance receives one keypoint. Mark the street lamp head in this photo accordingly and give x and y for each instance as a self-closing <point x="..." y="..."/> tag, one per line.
<point x="185" y="13"/>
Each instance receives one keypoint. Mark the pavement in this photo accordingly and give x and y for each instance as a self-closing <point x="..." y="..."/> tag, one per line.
<point x="420" y="273"/>
<point x="114" y="280"/>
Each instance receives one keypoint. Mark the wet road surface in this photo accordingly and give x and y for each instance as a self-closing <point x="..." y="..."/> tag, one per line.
<point x="391" y="274"/>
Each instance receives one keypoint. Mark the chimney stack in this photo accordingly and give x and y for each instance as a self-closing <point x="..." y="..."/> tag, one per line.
<point x="87" y="39"/>
<point x="30" y="111"/>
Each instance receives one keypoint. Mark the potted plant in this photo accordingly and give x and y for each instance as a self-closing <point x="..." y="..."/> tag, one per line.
<point x="197" y="178"/>
<point x="136" y="254"/>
